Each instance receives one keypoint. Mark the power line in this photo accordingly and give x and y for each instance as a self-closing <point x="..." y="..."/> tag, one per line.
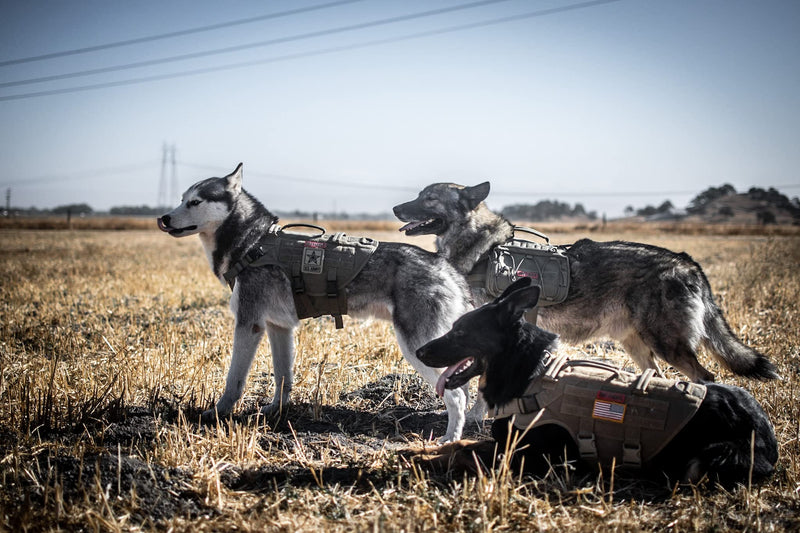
<point x="312" y="53"/>
<point x="153" y="165"/>
<point x="258" y="44"/>
<point x="179" y="33"/>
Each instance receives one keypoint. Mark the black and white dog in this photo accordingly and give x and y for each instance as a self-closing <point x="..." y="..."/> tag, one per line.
<point x="495" y="343"/>
<point x="655" y="302"/>
<point x="419" y="291"/>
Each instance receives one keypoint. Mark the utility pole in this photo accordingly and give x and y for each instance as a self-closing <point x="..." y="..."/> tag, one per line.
<point x="8" y="202"/>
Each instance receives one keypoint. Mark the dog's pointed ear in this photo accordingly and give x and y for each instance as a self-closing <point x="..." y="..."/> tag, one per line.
<point x="234" y="180"/>
<point x="476" y="194"/>
<point x="521" y="283"/>
<point x="518" y="302"/>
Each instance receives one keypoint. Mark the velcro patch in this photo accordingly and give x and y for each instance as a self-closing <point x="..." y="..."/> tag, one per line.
<point x="609" y="406"/>
<point x="313" y="259"/>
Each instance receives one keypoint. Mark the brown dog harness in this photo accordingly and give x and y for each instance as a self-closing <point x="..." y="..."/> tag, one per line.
<point x="614" y="417"/>
<point x="319" y="267"/>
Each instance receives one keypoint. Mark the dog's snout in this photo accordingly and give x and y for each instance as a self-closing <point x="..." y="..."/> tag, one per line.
<point x="163" y="223"/>
<point x="422" y="352"/>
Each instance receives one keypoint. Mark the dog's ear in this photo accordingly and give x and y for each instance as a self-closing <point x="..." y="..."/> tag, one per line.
<point x="518" y="302"/>
<point x="475" y="195"/>
<point x="521" y="283"/>
<point x="234" y="180"/>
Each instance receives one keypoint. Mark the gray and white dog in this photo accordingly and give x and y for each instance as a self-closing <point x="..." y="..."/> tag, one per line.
<point x="655" y="302"/>
<point x="419" y="291"/>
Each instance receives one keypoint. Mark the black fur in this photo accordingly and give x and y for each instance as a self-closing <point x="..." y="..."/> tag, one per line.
<point x="508" y="351"/>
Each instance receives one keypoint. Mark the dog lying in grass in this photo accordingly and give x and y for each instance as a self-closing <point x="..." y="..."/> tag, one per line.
<point x="726" y="436"/>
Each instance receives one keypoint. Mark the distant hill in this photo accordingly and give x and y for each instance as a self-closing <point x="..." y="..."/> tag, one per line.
<point x="756" y="206"/>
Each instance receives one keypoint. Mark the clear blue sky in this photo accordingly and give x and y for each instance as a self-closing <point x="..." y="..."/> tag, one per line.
<point x="624" y="103"/>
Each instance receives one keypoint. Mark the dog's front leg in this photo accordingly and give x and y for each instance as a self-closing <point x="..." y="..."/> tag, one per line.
<point x="456" y="403"/>
<point x="246" y="338"/>
<point x="281" y="342"/>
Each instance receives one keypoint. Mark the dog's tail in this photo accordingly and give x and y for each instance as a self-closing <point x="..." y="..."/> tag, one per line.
<point x="730" y="351"/>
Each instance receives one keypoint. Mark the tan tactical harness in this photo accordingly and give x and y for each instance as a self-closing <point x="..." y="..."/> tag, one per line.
<point x="319" y="267"/>
<point x="615" y="417"/>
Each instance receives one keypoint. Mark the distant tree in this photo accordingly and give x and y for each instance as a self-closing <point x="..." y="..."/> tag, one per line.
<point x="546" y="210"/>
<point x="665" y="207"/>
<point x="647" y="211"/>
<point x="133" y="210"/>
<point x="629" y="210"/>
<point x="725" y="211"/>
<point x="73" y="209"/>
<point x="766" y="216"/>
<point x="699" y="204"/>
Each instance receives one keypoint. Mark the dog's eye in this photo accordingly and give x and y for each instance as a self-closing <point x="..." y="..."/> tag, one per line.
<point x="193" y="203"/>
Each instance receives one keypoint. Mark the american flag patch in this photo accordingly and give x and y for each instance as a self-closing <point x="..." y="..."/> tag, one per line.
<point x="606" y="410"/>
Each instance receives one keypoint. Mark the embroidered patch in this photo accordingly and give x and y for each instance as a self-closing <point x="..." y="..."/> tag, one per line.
<point x="313" y="259"/>
<point x="524" y="274"/>
<point x="609" y="406"/>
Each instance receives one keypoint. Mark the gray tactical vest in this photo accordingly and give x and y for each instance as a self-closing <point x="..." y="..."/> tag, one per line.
<point x="319" y="267"/>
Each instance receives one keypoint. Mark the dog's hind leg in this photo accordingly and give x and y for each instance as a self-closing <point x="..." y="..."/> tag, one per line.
<point x="281" y="343"/>
<point x="640" y="352"/>
<point x="478" y="411"/>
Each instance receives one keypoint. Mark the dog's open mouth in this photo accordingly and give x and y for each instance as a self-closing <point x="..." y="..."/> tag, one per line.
<point x="420" y="227"/>
<point x="456" y="375"/>
<point x="173" y="231"/>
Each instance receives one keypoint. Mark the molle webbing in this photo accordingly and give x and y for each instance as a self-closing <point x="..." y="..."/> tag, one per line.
<point x="319" y="267"/>
<point x="547" y="266"/>
<point x="613" y="416"/>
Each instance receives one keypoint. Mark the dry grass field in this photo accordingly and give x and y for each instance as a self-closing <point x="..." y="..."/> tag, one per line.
<point x="112" y="342"/>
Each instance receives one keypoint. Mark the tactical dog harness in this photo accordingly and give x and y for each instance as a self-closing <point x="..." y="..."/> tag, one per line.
<point x="319" y="266"/>
<point x="545" y="264"/>
<point x="614" y="417"/>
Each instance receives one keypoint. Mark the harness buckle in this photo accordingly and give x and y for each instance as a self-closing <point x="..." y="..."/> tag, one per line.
<point x="587" y="446"/>
<point x="632" y="454"/>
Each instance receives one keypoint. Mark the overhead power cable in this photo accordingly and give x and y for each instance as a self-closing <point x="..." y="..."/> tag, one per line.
<point x="258" y="44"/>
<point x="312" y="53"/>
<point x="179" y="33"/>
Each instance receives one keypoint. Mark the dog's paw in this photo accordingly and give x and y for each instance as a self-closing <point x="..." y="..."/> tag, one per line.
<point x="449" y="438"/>
<point x="209" y="417"/>
<point x="275" y="412"/>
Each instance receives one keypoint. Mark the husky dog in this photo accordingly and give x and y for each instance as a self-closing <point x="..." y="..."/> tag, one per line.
<point x="419" y="291"/>
<point x="655" y="302"/>
<point x="728" y="438"/>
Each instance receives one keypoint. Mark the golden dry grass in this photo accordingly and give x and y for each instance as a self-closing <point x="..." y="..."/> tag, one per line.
<point x="112" y="343"/>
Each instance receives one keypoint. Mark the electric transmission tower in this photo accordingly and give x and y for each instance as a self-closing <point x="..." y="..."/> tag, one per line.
<point x="167" y="159"/>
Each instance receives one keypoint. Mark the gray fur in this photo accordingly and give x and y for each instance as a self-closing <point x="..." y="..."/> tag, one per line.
<point x="655" y="302"/>
<point x="419" y="291"/>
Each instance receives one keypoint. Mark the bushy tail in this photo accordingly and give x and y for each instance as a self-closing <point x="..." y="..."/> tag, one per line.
<point x="730" y="351"/>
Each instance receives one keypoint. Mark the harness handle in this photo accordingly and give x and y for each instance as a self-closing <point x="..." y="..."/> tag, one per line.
<point x="532" y="232"/>
<point x="304" y="225"/>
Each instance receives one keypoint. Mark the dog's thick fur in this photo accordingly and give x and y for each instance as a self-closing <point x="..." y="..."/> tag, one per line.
<point x="496" y="343"/>
<point x="655" y="302"/>
<point x="419" y="291"/>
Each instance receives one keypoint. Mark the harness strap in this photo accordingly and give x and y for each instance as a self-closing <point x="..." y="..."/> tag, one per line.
<point x="250" y="257"/>
<point x="332" y="291"/>
<point x="587" y="446"/>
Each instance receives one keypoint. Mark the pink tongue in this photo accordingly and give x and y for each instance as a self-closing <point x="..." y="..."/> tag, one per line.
<point x="449" y="371"/>
<point x="410" y="225"/>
